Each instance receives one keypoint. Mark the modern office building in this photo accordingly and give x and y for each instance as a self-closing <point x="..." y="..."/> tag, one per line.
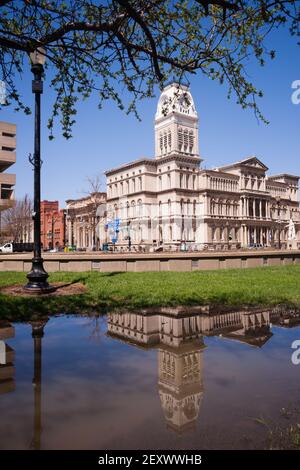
<point x="7" y="159"/>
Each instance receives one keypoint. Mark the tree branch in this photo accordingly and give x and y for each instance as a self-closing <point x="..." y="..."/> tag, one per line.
<point x="224" y="4"/>
<point x="137" y="17"/>
<point x="4" y="2"/>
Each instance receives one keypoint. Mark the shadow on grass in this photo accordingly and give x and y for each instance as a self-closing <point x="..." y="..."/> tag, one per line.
<point x="68" y="284"/>
<point x="113" y="273"/>
<point x="24" y="308"/>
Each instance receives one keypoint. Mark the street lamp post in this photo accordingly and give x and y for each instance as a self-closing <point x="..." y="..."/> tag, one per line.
<point x="53" y="222"/>
<point x="37" y="277"/>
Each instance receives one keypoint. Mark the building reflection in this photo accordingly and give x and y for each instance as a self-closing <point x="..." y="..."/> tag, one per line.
<point x="7" y="371"/>
<point x="178" y="337"/>
<point x="37" y="335"/>
<point x="251" y="327"/>
<point x="180" y="383"/>
<point x="180" y="346"/>
<point x="7" y="358"/>
<point x="285" y="318"/>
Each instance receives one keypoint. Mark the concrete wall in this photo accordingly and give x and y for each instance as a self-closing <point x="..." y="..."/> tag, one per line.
<point x="151" y="262"/>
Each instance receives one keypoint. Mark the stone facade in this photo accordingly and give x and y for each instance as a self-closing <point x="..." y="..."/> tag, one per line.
<point x="7" y="158"/>
<point x="82" y="220"/>
<point x="171" y="202"/>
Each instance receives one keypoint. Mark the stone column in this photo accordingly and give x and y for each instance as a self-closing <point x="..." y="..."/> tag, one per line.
<point x="260" y="209"/>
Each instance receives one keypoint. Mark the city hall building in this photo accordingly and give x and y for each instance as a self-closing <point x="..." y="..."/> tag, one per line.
<point x="170" y="201"/>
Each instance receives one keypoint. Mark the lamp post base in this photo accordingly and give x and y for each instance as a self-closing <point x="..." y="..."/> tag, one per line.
<point x="37" y="279"/>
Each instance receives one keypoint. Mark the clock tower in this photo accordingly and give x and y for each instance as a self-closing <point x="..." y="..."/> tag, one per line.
<point x="176" y="123"/>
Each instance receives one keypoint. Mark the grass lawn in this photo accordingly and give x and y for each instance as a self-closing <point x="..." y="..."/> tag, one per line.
<point x="258" y="286"/>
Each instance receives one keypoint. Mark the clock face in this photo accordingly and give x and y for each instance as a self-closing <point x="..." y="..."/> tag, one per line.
<point x="164" y="105"/>
<point x="184" y="101"/>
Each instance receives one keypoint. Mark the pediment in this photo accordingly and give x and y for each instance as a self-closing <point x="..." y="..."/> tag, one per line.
<point x="254" y="162"/>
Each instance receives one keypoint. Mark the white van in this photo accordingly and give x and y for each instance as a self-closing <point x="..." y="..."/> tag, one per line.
<point x="7" y="248"/>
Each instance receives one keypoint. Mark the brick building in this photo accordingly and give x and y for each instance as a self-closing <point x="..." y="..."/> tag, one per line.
<point x="53" y="223"/>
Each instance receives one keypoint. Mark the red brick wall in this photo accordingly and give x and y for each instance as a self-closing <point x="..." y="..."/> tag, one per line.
<point x="52" y="220"/>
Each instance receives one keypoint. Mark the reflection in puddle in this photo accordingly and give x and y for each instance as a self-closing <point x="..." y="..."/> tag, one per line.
<point x="179" y="340"/>
<point x="7" y="357"/>
<point x="189" y="366"/>
<point x="180" y="347"/>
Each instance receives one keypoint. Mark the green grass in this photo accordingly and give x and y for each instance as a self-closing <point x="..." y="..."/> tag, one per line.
<point x="259" y="286"/>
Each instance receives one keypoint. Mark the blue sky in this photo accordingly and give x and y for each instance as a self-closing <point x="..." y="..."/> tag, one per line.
<point x="106" y="138"/>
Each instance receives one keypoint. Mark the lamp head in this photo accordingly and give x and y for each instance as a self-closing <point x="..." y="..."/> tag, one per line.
<point x="38" y="56"/>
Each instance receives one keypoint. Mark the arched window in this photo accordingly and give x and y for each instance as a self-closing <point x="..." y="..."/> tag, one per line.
<point x="227" y="207"/>
<point x="116" y="211"/>
<point x="181" y="207"/>
<point x="194" y="207"/>
<point x="160" y="234"/>
<point x="170" y="233"/>
<point x="140" y="207"/>
<point x="169" y="207"/>
<point x="127" y="209"/>
<point x="180" y="139"/>
<point x="159" y="209"/>
<point x="188" y="203"/>
<point x="159" y="183"/>
<point x="191" y="141"/>
<point x="133" y="209"/>
<point x="165" y="142"/>
<point x="220" y="208"/>
<point x="180" y="180"/>
<point x="185" y="140"/>
<point x="169" y="140"/>
<point x="161" y="142"/>
<point x="213" y="233"/>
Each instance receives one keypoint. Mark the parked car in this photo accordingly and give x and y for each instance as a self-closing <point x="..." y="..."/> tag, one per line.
<point x="13" y="247"/>
<point x="255" y="245"/>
